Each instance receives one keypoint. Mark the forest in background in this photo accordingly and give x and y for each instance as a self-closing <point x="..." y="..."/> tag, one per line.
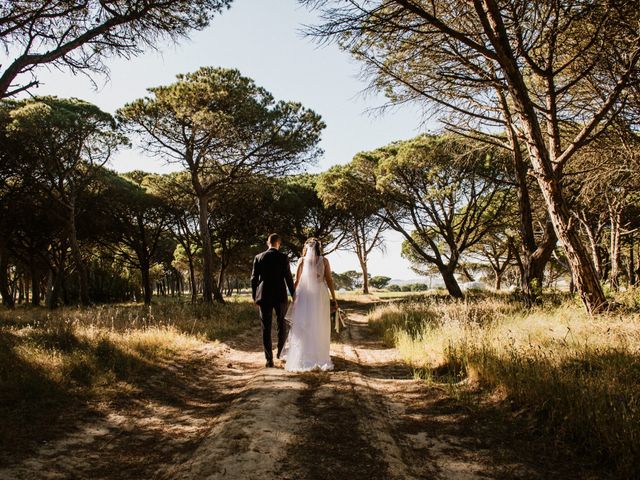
<point x="76" y="232"/>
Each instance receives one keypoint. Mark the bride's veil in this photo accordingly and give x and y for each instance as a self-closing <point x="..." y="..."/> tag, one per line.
<point x="312" y="269"/>
<point x="311" y="281"/>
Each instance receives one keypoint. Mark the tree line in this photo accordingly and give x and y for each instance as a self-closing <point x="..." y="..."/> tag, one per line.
<point x="72" y="230"/>
<point x="539" y="102"/>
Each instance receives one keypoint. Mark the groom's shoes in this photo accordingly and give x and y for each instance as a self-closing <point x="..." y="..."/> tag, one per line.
<point x="269" y="364"/>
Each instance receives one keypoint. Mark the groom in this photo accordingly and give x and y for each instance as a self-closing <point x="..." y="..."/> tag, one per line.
<point x="270" y="274"/>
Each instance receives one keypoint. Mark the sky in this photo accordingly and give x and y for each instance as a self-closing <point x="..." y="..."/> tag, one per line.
<point x="264" y="40"/>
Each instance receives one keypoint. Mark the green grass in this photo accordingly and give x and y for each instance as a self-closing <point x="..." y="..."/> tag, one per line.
<point x="577" y="376"/>
<point x="53" y="361"/>
<point x="377" y="295"/>
<point x="384" y="294"/>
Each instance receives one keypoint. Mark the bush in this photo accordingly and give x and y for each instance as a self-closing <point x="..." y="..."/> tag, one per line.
<point x="379" y="281"/>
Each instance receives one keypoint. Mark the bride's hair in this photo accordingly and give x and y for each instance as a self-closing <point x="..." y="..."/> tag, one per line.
<point x="313" y="241"/>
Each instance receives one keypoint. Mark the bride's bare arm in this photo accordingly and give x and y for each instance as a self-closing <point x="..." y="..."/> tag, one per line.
<point x="298" y="274"/>
<point x="329" y="279"/>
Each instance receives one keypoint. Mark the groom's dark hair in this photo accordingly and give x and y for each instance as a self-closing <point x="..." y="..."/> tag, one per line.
<point x="273" y="239"/>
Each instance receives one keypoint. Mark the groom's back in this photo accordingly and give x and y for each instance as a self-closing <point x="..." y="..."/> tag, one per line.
<point x="270" y="272"/>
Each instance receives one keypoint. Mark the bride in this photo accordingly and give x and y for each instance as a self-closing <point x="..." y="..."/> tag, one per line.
<point x="310" y="336"/>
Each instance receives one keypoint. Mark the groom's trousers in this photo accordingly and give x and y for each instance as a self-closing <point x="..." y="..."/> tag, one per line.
<point x="266" y="316"/>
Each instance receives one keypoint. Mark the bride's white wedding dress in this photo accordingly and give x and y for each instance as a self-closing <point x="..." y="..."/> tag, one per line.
<point x="310" y="335"/>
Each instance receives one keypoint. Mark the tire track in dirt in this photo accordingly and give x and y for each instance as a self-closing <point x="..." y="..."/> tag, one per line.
<point x="373" y="391"/>
<point x="388" y="391"/>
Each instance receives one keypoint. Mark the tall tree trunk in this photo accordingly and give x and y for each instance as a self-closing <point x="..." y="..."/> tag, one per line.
<point x="207" y="250"/>
<point x="585" y="277"/>
<point x="450" y="281"/>
<point x="55" y="281"/>
<point x="615" y="217"/>
<point x="21" y="288"/>
<point x="593" y="244"/>
<point x="217" y="293"/>
<point x="548" y="177"/>
<point x="360" y="249"/>
<point x="5" y="290"/>
<point x="49" y="289"/>
<point x="498" y="278"/>
<point x="534" y="256"/>
<point x="365" y="273"/>
<point x="595" y="255"/>
<point x="146" y="283"/>
<point x="35" y="286"/>
<point x="534" y="267"/>
<point x="77" y="258"/>
<point x="192" y="279"/>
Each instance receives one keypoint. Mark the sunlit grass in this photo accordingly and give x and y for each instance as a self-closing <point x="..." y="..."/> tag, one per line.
<point x="50" y="341"/>
<point x="49" y="360"/>
<point x="578" y="375"/>
<point x="405" y="295"/>
<point x="378" y="294"/>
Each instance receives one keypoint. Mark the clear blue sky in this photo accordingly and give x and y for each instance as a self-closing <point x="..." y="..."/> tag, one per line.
<point x="264" y="41"/>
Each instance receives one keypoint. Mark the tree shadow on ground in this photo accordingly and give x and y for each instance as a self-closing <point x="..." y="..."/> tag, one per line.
<point x="584" y="405"/>
<point x="30" y="402"/>
<point x="381" y="371"/>
<point x="513" y="446"/>
<point x="36" y="409"/>
<point x="432" y="431"/>
<point x="576" y="415"/>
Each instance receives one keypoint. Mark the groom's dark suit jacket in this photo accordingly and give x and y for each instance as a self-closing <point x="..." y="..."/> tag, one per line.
<point x="270" y="277"/>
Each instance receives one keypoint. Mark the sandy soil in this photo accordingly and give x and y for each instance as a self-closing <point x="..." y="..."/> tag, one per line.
<point x="217" y="413"/>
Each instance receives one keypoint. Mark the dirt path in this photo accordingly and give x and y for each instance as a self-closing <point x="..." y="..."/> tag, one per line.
<point x="217" y="413"/>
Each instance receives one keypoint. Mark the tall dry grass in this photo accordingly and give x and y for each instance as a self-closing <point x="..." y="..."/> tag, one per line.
<point x="51" y="360"/>
<point x="578" y="375"/>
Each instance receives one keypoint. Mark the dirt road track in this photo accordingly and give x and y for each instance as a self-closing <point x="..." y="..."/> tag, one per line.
<point x="217" y="413"/>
